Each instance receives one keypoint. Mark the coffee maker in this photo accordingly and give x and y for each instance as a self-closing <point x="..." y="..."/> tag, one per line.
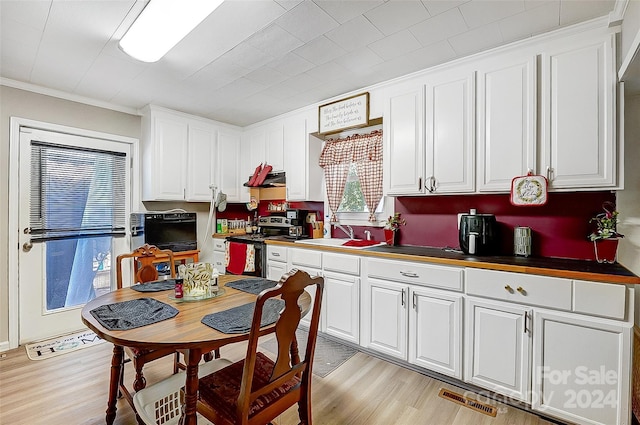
<point x="298" y="220"/>
<point x="478" y="234"/>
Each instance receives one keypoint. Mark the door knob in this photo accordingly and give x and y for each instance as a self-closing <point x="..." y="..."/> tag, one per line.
<point x="26" y="247"/>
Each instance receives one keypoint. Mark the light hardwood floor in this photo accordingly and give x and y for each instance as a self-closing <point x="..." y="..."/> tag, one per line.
<point x="71" y="389"/>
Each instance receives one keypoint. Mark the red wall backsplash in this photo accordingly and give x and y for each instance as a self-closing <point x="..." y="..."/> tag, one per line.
<point x="560" y="228"/>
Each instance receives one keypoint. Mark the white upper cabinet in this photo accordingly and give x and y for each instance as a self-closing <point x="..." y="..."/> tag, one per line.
<point x="177" y="157"/>
<point x="201" y="149"/>
<point x="228" y="177"/>
<point x="403" y="125"/>
<point x="274" y="146"/>
<point x="450" y="137"/>
<point x="506" y="121"/>
<point x="301" y="155"/>
<point x="266" y="146"/>
<point x="578" y="113"/>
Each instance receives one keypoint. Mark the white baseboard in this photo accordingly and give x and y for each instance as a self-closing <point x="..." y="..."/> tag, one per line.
<point x="4" y="346"/>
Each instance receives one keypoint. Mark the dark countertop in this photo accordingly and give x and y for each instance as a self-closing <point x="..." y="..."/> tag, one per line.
<point x="556" y="267"/>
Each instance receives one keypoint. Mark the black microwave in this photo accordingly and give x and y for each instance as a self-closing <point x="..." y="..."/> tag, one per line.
<point x="169" y="230"/>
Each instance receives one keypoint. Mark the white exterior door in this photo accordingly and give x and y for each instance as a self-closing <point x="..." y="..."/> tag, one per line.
<point x="57" y="275"/>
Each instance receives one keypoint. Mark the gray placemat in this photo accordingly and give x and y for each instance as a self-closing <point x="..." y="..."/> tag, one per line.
<point x="155" y="286"/>
<point x="252" y="286"/>
<point x="131" y="314"/>
<point x="237" y="320"/>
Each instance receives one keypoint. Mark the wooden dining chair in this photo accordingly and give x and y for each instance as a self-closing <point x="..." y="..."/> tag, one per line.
<point x="256" y="389"/>
<point x="145" y="260"/>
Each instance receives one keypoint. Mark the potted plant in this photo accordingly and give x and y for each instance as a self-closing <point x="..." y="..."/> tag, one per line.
<point x="391" y="226"/>
<point x="605" y="237"/>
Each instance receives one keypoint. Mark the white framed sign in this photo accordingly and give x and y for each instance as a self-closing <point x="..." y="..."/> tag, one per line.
<point x="351" y="112"/>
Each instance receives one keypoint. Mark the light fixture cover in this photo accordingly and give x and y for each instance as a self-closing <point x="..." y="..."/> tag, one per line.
<point x="162" y="24"/>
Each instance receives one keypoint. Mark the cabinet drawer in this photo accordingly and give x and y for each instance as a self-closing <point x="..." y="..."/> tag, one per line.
<point x="544" y="291"/>
<point x="306" y="257"/>
<point x="341" y="263"/>
<point x="277" y="253"/>
<point x="219" y="244"/>
<point x="599" y="299"/>
<point x="417" y="273"/>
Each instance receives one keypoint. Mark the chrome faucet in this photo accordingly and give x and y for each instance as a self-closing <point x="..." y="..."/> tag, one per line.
<point x="367" y="235"/>
<point x="348" y="231"/>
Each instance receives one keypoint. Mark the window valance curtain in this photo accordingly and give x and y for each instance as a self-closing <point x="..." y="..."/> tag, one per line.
<point x="365" y="150"/>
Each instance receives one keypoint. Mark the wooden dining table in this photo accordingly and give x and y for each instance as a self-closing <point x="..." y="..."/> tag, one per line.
<point x="184" y="333"/>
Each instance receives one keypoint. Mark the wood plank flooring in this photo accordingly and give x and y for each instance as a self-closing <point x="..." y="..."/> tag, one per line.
<point x="71" y="389"/>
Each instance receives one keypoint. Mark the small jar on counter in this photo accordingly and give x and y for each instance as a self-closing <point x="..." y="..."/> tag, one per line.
<point x="178" y="288"/>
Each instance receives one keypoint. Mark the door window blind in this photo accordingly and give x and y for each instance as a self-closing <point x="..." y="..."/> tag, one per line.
<point x="76" y="192"/>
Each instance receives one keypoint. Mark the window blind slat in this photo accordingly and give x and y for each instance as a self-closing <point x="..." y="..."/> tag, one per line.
<point x="76" y="192"/>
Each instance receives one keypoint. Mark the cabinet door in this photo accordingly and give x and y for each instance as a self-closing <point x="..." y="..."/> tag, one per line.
<point x="301" y="155"/>
<point x="274" y="147"/>
<point x="275" y="270"/>
<point x="170" y="147"/>
<point x="257" y="149"/>
<point x="506" y="122"/>
<point x="578" y="111"/>
<point x="435" y="331"/>
<point x="229" y="180"/>
<point x="385" y="318"/>
<point x="341" y="306"/>
<point x="582" y="368"/>
<point x="219" y="262"/>
<point x="498" y="343"/>
<point x="200" y="162"/>
<point x="450" y="134"/>
<point x="404" y="144"/>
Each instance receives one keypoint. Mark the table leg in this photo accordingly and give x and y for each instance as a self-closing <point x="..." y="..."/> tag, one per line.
<point x="116" y="372"/>
<point x="191" y="388"/>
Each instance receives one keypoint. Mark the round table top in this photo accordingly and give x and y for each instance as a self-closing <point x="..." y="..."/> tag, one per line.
<point x="184" y="331"/>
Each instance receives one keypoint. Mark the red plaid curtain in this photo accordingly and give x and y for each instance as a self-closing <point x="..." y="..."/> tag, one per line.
<point x="366" y="151"/>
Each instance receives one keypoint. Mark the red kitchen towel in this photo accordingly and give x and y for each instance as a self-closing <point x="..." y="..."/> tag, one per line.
<point x="237" y="257"/>
<point x="263" y="174"/>
<point x="355" y="242"/>
<point x="256" y="173"/>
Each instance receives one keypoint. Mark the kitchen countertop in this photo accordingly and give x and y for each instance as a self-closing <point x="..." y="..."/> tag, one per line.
<point x="556" y="267"/>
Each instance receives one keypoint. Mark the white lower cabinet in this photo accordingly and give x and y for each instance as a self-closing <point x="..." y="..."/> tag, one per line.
<point x="498" y="347"/>
<point x="581" y="368"/>
<point x="311" y="262"/>
<point x="385" y="320"/>
<point x="435" y="331"/>
<point x="219" y="255"/>
<point x="412" y="322"/>
<point x="276" y="262"/>
<point x="341" y="306"/>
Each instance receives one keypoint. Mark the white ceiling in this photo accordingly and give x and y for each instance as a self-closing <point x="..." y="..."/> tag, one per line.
<point x="254" y="59"/>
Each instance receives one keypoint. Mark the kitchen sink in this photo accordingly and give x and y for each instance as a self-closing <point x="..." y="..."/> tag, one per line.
<point x="341" y="242"/>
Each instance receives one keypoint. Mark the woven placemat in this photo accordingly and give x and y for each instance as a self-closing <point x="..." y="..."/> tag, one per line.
<point x="155" y="286"/>
<point x="132" y="314"/>
<point x="237" y="320"/>
<point x="252" y="286"/>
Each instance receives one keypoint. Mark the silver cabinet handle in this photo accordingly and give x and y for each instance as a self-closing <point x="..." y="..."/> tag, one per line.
<point x="409" y="274"/>
<point x="526" y="316"/>
<point x="508" y="288"/>
<point x="419" y="184"/>
<point x="521" y="290"/>
<point x="275" y="254"/>
<point x="415" y="301"/>
<point x="549" y="173"/>
<point x="26" y="247"/>
<point x="403" y="297"/>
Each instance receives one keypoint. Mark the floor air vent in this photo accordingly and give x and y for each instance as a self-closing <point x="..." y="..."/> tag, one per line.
<point x="467" y="402"/>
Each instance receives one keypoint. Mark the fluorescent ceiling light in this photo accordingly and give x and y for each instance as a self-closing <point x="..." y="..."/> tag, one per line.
<point x="162" y="24"/>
